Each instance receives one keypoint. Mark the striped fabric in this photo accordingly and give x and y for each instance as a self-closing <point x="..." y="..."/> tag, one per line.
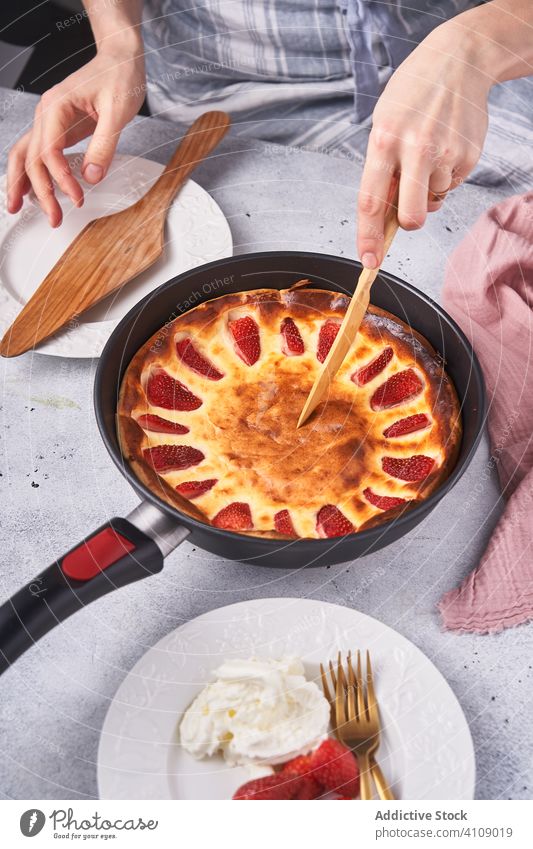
<point x="307" y="73"/>
<point x="382" y="34"/>
<point x="281" y="68"/>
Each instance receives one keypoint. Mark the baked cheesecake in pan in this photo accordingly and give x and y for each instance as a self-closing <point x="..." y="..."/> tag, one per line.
<point x="208" y="410"/>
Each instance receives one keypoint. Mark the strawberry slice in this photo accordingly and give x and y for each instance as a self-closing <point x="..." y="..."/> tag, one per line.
<point x="330" y="522"/>
<point x="399" y="388"/>
<point x="367" y="373"/>
<point x="414" y="468"/>
<point x="235" y="517"/>
<point x="408" y="425"/>
<point x="194" y="489"/>
<point x="163" y="391"/>
<point x="283" y="524"/>
<point x="166" y="458"/>
<point x="245" y="334"/>
<point x="335" y="768"/>
<point x="384" y="502"/>
<point x="292" y="343"/>
<point x="158" y="425"/>
<point x="277" y="787"/>
<point x="326" y="338"/>
<point x="196" y="361"/>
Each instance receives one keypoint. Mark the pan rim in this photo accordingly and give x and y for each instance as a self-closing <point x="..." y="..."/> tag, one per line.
<point x="410" y="516"/>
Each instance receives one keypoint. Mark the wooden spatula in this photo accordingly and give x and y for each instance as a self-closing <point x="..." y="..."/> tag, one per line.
<point x="111" y="250"/>
<point x="351" y="322"/>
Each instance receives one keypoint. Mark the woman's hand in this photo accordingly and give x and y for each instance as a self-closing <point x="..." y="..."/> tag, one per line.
<point x="428" y="130"/>
<point x="98" y="100"/>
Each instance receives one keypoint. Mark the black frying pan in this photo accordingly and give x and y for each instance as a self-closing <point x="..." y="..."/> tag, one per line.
<point x="125" y="550"/>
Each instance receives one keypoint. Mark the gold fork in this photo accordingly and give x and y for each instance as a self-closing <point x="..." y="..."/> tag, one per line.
<point x="355" y="718"/>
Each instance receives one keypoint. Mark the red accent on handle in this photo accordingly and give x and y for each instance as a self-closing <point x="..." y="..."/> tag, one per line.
<point x="96" y="554"/>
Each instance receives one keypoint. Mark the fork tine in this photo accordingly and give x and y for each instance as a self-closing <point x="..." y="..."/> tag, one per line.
<point x="325" y="685"/>
<point x="333" y="675"/>
<point x="370" y="692"/>
<point x="340" y="713"/>
<point x="361" y="707"/>
<point x="340" y="672"/>
<point x="352" y="713"/>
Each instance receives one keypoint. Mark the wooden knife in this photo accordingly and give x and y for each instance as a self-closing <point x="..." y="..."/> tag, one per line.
<point x="351" y="322"/>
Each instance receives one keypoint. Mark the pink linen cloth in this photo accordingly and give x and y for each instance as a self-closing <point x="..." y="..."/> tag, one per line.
<point x="489" y="291"/>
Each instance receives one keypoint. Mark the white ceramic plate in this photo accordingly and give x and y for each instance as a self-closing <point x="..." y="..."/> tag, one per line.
<point x="426" y="750"/>
<point x="196" y="232"/>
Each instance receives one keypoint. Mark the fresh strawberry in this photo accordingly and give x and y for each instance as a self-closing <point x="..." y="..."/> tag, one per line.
<point x="367" y="373"/>
<point x="158" y="425"/>
<point x="326" y="338"/>
<point x="414" y="468"/>
<point x="271" y="787"/>
<point x="400" y="387"/>
<point x="194" y="489"/>
<point x="299" y="766"/>
<point x="283" y="524"/>
<point x="235" y="517"/>
<point x="308" y="788"/>
<point x="331" y="768"/>
<point x="189" y="355"/>
<point x="292" y="343"/>
<point x="166" y="458"/>
<point x="331" y="522"/>
<point x="163" y="391"/>
<point x="335" y="768"/>
<point x="408" y="425"/>
<point x="245" y="333"/>
<point x="384" y="502"/>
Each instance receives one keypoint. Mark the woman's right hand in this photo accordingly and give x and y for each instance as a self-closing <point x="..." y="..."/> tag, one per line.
<point x="98" y="100"/>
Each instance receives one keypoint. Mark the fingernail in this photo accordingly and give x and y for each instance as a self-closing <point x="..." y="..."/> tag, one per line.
<point x="369" y="260"/>
<point x="93" y="173"/>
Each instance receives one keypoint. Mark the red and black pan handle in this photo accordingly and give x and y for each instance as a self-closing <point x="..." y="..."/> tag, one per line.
<point x="118" y="553"/>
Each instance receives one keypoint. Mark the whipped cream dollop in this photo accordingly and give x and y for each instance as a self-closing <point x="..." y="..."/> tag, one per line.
<point x="256" y="710"/>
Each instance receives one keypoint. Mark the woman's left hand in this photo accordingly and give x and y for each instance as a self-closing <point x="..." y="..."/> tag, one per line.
<point x="428" y="130"/>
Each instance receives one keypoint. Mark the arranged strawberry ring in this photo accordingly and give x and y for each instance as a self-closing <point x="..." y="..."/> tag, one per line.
<point x="208" y="410"/>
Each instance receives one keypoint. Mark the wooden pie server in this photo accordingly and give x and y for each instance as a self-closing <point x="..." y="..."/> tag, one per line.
<point x="351" y="322"/>
<point x="110" y="251"/>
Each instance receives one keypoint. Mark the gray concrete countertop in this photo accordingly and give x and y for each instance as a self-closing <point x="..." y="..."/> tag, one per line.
<point x="58" y="484"/>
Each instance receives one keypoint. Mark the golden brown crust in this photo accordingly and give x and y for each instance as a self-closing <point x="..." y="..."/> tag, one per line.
<point x="132" y="440"/>
<point x="246" y="425"/>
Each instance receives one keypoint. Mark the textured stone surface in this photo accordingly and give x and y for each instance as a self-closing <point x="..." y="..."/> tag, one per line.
<point x="58" y="483"/>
